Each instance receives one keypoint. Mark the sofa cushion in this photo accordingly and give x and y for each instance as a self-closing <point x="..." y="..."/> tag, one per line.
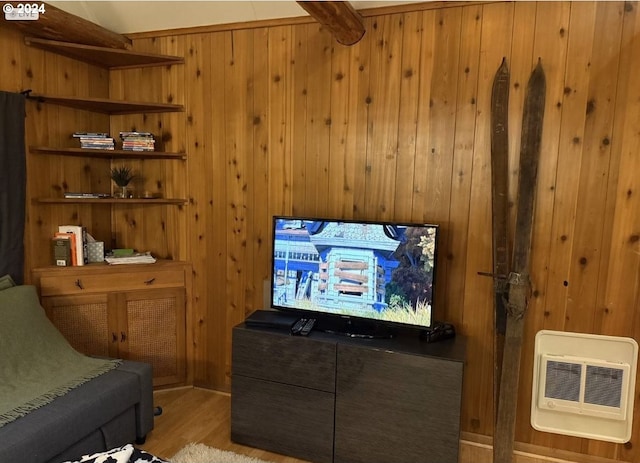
<point x="47" y="431"/>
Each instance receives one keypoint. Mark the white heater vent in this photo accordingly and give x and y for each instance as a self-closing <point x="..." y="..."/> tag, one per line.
<point x="583" y="385"/>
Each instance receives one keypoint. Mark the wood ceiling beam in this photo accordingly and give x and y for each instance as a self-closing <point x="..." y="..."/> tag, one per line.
<point x="342" y="20"/>
<point x="57" y="24"/>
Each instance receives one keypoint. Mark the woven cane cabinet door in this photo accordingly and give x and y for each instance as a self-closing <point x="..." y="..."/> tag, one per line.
<point x="84" y="321"/>
<point x="153" y="331"/>
<point x="135" y="312"/>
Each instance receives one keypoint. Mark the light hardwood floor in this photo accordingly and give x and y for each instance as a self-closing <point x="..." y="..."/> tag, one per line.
<point x="200" y="416"/>
<point x="203" y="416"/>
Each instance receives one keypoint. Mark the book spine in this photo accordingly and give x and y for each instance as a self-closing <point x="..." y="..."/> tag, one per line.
<point x="61" y="251"/>
<point x="74" y="250"/>
<point x="80" y="243"/>
<point x="90" y="135"/>
<point x="85" y="246"/>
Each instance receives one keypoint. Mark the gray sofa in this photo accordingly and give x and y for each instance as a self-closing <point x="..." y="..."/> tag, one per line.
<point x="110" y="410"/>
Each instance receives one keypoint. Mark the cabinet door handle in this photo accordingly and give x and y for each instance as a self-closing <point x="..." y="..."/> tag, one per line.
<point x="114" y="337"/>
<point x="149" y="281"/>
<point x="79" y="284"/>
<point x="123" y="336"/>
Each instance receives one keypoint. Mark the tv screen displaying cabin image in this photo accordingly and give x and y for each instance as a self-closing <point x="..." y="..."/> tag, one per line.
<point x="377" y="271"/>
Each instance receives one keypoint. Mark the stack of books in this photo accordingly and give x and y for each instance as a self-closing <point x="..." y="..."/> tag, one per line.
<point x="69" y="246"/>
<point x="137" y="141"/>
<point x="95" y="140"/>
<point x="130" y="258"/>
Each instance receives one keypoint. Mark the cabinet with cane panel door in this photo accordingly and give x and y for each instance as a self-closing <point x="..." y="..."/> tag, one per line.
<point x="137" y="312"/>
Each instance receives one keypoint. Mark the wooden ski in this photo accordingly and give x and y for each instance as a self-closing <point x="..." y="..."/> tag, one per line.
<point x="519" y="281"/>
<point x="499" y="215"/>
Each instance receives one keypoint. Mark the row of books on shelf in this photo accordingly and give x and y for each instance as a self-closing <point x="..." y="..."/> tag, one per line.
<point x="71" y="246"/>
<point x="137" y="141"/>
<point x="131" y="140"/>
<point x="95" y="140"/>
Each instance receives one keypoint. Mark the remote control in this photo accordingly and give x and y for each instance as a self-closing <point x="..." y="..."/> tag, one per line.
<point x="297" y="326"/>
<point x="308" y="326"/>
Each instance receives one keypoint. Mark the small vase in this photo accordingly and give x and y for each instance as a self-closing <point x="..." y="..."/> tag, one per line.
<point x="124" y="192"/>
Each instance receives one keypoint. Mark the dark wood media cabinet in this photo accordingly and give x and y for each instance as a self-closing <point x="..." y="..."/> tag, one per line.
<point x="330" y="398"/>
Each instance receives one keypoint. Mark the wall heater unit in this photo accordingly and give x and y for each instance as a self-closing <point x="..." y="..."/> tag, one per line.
<point x="583" y="385"/>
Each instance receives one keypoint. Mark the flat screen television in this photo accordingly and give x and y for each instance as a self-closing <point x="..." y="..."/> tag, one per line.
<point x="359" y="278"/>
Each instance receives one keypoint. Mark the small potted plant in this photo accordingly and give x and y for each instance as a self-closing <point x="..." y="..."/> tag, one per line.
<point x="121" y="176"/>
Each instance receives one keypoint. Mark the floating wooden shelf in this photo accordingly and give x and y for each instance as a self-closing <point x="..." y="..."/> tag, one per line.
<point x="175" y="201"/>
<point x="109" y="154"/>
<point x="104" y="105"/>
<point x="109" y="58"/>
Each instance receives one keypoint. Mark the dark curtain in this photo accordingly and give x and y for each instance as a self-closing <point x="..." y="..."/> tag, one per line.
<point x="12" y="185"/>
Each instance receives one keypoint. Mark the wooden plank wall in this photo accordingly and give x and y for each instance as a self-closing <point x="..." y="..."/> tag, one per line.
<point x="281" y="119"/>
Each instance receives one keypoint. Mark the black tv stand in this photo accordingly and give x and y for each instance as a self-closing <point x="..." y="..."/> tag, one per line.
<point x="338" y="399"/>
<point x="355" y="328"/>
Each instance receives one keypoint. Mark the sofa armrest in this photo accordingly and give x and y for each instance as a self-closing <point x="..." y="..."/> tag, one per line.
<point x="144" y="409"/>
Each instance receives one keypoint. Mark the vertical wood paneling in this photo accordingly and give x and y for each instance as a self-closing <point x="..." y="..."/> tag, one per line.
<point x="318" y="121"/>
<point x="238" y="120"/>
<point x="622" y="289"/>
<point x="384" y="108"/>
<point x="283" y="119"/>
<point x="11" y="58"/>
<point x="214" y="275"/>
<point x="570" y="159"/>
<point x="339" y="155"/>
<point x="585" y="277"/>
<point x="299" y="76"/>
<point x="260" y="220"/>
<point x="603" y="92"/>
<point x="279" y="107"/>
<point x="465" y="123"/>
<point x="357" y="147"/>
<point x="438" y="151"/>
<point x="622" y="292"/>
<point x="408" y="115"/>
<point x="419" y="199"/>
<point x="198" y="71"/>
<point x="442" y="95"/>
